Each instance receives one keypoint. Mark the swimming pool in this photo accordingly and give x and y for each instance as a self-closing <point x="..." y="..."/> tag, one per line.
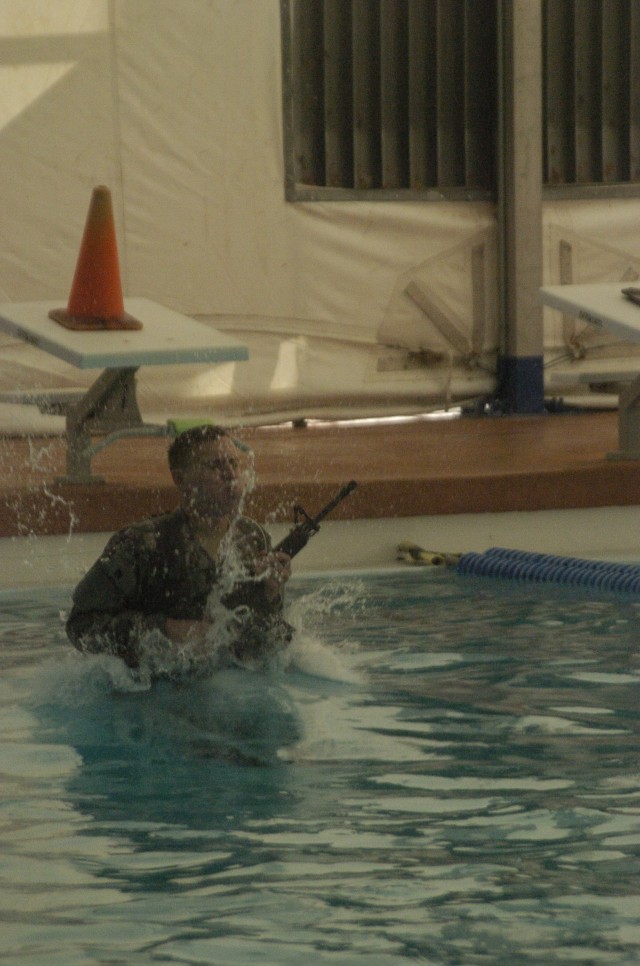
<point x="447" y="772"/>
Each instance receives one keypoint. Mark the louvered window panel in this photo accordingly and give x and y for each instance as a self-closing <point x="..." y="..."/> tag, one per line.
<point x="592" y="92"/>
<point x="391" y="96"/>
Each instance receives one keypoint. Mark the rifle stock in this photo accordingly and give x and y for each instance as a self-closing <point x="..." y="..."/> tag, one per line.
<point x="299" y="536"/>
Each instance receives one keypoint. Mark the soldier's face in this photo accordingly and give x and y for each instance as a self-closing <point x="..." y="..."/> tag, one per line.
<point x="213" y="485"/>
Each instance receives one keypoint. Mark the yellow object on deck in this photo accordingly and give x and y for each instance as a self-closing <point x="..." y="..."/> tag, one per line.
<point x="417" y="556"/>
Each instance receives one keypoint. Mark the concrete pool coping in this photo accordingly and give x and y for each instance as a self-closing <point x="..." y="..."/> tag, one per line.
<point x="599" y="533"/>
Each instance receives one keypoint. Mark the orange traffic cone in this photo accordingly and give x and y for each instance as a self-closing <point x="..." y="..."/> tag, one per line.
<point x="96" y="301"/>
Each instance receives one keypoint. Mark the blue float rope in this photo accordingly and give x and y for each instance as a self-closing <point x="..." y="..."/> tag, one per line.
<point x="547" y="568"/>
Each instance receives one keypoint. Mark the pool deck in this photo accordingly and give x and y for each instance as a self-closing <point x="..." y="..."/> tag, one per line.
<point x="423" y="468"/>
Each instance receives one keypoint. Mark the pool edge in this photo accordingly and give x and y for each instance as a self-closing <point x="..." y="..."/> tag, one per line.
<point x="365" y="544"/>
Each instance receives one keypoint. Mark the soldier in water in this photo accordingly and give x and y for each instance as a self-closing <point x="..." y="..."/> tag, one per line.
<point x="188" y="581"/>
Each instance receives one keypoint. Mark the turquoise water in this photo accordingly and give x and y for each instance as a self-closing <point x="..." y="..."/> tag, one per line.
<point x="447" y="771"/>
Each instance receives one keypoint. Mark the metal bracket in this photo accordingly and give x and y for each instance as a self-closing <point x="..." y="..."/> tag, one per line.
<point x="109" y="405"/>
<point x="628" y="423"/>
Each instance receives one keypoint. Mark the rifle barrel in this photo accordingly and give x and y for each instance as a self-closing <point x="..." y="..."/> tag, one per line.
<point x="299" y="536"/>
<point x="345" y="491"/>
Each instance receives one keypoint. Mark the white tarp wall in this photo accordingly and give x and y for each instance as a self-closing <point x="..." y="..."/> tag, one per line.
<point x="176" y="106"/>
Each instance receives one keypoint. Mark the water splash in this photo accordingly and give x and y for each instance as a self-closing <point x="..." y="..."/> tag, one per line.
<point x="41" y="457"/>
<point x="282" y="511"/>
<point x="32" y="517"/>
<point x="57" y="499"/>
<point x="313" y="656"/>
<point x="320" y="617"/>
<point x="188" y="661"/>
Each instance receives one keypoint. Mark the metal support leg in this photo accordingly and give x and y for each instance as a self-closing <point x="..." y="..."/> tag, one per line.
<point x="628" y="423"/>
<point x="110" y="404"/>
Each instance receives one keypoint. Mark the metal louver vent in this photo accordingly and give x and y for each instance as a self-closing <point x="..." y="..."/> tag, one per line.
<point x="399" y="98"/>
<point x="392" y="96"/>
<point x="592" y="91"/>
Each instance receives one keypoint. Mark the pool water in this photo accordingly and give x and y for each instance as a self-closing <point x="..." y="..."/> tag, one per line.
<point x="447" y="771"/>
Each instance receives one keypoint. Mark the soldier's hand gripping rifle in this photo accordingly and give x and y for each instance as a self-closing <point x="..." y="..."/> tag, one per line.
<point x="306" y="526"/>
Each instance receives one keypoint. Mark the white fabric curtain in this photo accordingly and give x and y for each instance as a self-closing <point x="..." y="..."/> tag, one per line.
<point x="346" y="307"/>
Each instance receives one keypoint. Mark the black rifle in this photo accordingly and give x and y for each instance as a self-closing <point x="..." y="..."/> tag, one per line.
<point x="306" y="526"/>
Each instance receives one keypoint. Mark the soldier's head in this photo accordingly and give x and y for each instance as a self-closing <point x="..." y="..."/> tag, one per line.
<point x="211" y="470"/>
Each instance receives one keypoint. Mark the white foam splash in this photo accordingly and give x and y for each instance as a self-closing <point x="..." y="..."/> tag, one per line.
<point x="312" y="656"/>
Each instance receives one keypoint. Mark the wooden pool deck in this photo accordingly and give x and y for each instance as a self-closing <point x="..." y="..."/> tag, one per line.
<point x="403" y="469"/>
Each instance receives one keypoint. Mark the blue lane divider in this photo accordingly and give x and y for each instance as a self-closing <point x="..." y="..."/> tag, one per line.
<point x="547" y="568"/>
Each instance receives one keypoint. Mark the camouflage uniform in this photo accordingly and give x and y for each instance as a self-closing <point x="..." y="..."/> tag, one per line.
<point x="157" y="569"/>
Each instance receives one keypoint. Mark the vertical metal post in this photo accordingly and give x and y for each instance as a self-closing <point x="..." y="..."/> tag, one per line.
<point x="520" y="200"/>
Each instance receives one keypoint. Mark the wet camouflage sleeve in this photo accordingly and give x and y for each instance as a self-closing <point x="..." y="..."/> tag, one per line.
<point x="107" y="615"/>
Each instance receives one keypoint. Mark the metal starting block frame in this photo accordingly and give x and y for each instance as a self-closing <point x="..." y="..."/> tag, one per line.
<point x="605" y="306"/>
<point x="110" y="404"/>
